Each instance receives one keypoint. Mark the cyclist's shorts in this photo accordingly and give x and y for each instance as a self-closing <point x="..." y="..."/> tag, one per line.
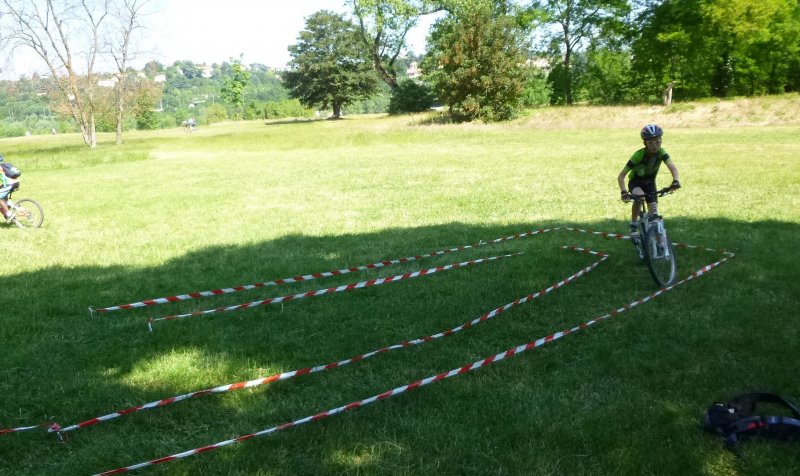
<point x="648" y="186"/>
<point x="6" y="189"/>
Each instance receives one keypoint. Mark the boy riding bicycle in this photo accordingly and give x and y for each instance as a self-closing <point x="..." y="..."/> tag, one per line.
<point x="7" y="185"/>
<point x="641" y="171"/>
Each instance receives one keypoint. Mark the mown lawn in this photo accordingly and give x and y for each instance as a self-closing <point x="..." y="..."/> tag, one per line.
<point x="170" y="213"/>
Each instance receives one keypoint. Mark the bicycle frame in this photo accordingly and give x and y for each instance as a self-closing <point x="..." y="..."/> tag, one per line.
<point x="645" y="214"/>
<point x="653" y="245"/>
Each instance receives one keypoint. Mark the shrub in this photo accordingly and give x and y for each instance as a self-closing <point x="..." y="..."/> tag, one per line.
<point x="216" y="113"/>
<point x="411" y="96"/>
<point x="167" y="121"/>
<point x="285" y="108"/>
<point x="537" y="90"/>
<point x="146" y="119"/>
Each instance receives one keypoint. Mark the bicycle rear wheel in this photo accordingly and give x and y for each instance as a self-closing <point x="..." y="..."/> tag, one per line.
<point x="29" y="214"/>
<point x="659" y="257"/>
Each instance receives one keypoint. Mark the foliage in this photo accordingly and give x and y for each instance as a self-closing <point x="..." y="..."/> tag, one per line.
<point x="143" y="109"/>
<point x="382" y="28"/>
<point x="475" y="65"/>
<point x="574" y="23"/>
<point x="43" y="28"/>
<point x="411" y="96"/>
<point x="285" y="109"/>
<point x="233" y="86"/>
<point x="328" y="67"/>
<point x="215" y="113"/>
<point x="720" y="47"/>
<point x="538" y="90"/>
<point x="606" y="78"/>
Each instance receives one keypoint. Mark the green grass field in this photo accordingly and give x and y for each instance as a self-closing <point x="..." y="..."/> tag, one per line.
<point x="239" y="203"/>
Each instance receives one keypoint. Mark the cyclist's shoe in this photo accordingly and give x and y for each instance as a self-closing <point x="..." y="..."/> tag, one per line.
<point x="10" y="217"/>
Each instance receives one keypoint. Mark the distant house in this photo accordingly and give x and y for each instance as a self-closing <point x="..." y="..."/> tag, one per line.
<point x="205" y="70"/>
<point x="413" y="70"/>
<point x="160" y="78"/>
<point x="107" y="83"/>
<point x="539" y="63"/>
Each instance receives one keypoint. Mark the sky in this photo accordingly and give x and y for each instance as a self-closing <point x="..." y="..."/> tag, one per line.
<point x="212" y="31"/>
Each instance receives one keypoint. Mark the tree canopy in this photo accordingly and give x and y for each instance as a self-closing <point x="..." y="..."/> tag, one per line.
<point x="328" y="67"/>
<point x="233" y="86"/>
<point x="565" y="51"/>
<point x="476" y="64"/>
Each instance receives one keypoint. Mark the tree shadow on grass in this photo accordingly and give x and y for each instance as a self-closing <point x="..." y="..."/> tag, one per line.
<point x="631" y="387"/>
<point x="298" y="121"/>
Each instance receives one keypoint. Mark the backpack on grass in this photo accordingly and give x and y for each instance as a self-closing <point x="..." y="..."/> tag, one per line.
<point x="737" y="419"/>
<point x="9" y="170"/>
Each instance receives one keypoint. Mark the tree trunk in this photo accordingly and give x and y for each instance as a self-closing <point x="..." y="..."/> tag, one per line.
<point x="667" y="95"/>
<point x="337" y="110"/>
<point x="386" y="76"/>
<point x="120" y="115"/>
<point x="567" y="78"/>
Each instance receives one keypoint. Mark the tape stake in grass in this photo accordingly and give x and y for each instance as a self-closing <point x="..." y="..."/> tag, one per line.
<point x="307" y="277"/>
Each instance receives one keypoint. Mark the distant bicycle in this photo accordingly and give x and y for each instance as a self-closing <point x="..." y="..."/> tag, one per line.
<point x="652" y="244"/>
<point x="26" y="212"/>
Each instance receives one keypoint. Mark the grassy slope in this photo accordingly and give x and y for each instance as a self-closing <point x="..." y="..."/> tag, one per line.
<point x="238" y="203"/>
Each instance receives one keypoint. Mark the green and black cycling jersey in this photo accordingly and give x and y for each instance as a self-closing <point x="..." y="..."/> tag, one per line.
<point x="644" y="166"/>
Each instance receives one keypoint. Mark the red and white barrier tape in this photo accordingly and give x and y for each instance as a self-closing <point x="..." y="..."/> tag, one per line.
<point x="287" y="298"/>
<point x="21" y="428"/>
<point x="287" y="375"/>
<point x="419" y="383"/>
<point x="337" y="289"/>
<point x="307" y="277"/>
<point x="341" y="363"/>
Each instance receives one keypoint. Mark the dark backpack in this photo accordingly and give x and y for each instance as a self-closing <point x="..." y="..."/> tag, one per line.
<point x="10" y="170"/>
<point x="737" y="419"/>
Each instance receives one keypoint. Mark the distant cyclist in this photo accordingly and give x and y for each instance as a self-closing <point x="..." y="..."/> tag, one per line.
<point x="7" y="185"/>
<point x="641" y="171"/>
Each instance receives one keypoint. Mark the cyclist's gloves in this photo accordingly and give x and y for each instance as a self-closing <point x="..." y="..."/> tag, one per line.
<point x="675" y="185"/>
<point x="626" y="196"/>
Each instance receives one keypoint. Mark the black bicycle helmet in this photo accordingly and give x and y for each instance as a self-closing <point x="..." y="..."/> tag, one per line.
<point x="651" y="131"/>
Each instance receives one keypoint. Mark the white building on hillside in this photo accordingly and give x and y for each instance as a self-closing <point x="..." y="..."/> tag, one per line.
<point x="413" y="70"/>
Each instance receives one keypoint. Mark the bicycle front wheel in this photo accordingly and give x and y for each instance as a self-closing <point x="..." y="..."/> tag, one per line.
<point x="660" y="257"/>
<point x="29" y="214"/>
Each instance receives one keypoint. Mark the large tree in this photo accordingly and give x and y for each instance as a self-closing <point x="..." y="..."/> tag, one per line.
<point x="64" y="34"/>
<point x="476" y="63"/>
<point x="126" y="15"/>
<point x="760" y="39"/>
<point x="575" y="22"/>
<point x="719" y="47"/>
<point x="233" y="85"/>
<point x="383" y="26"/>
<point x="328" y="66"/>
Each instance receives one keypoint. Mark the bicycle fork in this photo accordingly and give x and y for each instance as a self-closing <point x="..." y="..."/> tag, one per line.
<point x="661" y="231"/>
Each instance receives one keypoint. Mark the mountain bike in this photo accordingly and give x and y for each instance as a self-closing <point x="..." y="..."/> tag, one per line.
<point x="26" y="212"/>
<point x="652" y="244"/>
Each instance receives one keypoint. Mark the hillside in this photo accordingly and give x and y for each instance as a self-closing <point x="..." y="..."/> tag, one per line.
<point x="756" y="111"/>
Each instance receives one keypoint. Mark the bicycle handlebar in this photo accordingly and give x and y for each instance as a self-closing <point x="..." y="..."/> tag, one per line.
<point x="660" y="193"/>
